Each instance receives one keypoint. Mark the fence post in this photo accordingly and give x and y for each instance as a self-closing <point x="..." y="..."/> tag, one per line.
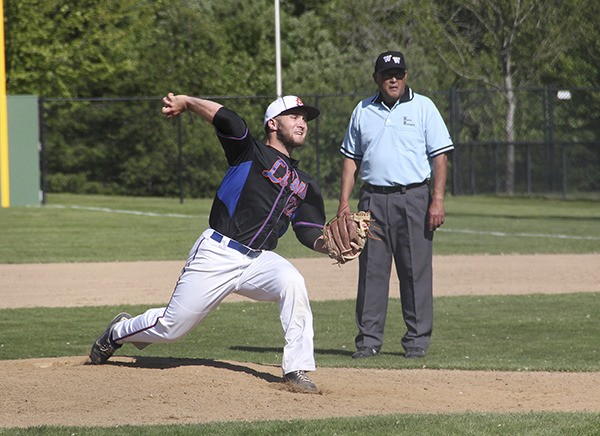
<point x="452" y="104"/>
<point x="318" y="144"/>
<point x="551" y="145"/>
<point x="180" y="158"/>
<point x="43" y="153"/>
<point x="496" y="172"/>
<point x="528" y="169"/>
<point x="564" y="171"/>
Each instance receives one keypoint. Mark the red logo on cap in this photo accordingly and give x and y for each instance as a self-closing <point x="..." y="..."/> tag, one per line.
<point x="299" y="102"/>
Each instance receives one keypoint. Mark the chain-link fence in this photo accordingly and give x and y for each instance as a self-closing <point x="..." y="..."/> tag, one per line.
<point x="547" y="144"/>
<point x="532" y="142"/>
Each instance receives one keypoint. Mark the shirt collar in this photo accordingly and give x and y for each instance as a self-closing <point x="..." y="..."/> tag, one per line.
<point x="294" y="163"/>
<point x="406" y="96"/>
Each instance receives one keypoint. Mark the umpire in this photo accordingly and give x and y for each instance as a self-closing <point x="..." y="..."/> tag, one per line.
<point x="399" y="142"/>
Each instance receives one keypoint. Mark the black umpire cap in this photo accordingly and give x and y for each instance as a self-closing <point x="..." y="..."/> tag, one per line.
<point x="389" y="60"/>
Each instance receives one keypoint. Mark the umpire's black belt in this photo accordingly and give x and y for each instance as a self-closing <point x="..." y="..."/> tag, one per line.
<point x="392" y="189"/>
<point x="241" y="248"/>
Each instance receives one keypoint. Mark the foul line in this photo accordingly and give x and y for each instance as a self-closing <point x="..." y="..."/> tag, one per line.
<point x="446" y="230"/>
<point x="127" y="212"/>
<point x="525" y="235"/>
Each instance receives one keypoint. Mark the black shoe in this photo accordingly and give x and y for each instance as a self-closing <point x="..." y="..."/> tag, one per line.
<point x="300" y="382"/>
<point x="414" y="353"/>
<point x="104" y="347"/>
<point x="365" y="352"/>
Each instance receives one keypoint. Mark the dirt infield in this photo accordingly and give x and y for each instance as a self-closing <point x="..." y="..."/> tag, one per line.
<point x="94" y="284"/>
<point x="64" y="391"/>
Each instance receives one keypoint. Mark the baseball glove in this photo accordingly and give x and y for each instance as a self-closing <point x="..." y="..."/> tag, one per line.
<point x="346" y="236"/>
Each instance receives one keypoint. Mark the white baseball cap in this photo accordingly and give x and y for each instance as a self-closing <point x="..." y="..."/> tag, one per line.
<point x="287" y="103"/>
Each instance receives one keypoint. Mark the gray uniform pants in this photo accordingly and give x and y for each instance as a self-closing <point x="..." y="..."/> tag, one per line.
<point x="400" y="226"/>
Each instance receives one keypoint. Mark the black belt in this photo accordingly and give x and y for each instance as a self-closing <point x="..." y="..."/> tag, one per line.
<point x="392" y="189"/>
<point x="240" y="248"/>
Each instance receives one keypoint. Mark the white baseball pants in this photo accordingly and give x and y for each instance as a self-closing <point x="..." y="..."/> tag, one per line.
<point x="212" y="272"/>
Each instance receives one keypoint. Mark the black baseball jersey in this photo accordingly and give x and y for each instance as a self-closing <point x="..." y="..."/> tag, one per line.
<point x="263" y="191"/>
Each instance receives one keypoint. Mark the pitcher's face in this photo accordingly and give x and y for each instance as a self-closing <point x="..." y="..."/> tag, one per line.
<point x="292" y="128"/>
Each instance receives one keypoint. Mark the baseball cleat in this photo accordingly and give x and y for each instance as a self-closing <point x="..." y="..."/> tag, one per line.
<point x="364" y="352"/>
<point x="104" y="347"/>
<point x="298" y="381"/>
<point x="414" y="353"/>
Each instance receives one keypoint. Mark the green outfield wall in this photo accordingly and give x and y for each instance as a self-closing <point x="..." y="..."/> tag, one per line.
<point x="23" y="150"/>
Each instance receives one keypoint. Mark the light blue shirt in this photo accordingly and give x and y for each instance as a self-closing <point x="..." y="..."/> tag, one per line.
<point x="396" y="146"/>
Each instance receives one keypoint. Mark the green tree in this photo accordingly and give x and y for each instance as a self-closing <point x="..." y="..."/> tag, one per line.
<point x="80" y="48"/>
<point x="501" y="45"/>
<point x="145" y="48"/>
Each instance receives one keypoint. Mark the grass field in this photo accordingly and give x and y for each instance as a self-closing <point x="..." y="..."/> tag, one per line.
<point x="516" y="333"/>
<point x="90" y="229"/>
<point x="469" y="424"/>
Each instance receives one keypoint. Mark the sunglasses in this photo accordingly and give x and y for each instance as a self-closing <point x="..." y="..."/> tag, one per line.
<point x="388" y="74"/>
